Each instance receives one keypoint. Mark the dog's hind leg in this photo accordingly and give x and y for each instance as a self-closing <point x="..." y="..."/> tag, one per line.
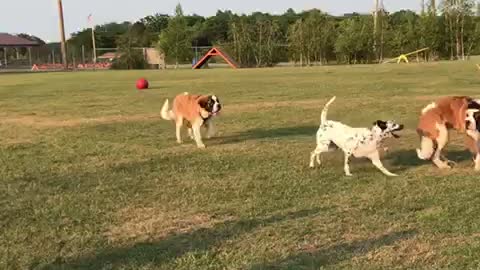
<point x="315" y="155"/>
<point x="346" y="167"/>
<point x="375" y="158"/>
<point x="427" y="147"/>
<point x="441" y="143"/>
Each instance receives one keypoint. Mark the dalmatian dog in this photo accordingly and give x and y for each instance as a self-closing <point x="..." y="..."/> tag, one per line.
<point x="356" y="142"/>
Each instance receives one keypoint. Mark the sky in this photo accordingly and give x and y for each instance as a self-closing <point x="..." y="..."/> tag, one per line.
<point x="41" y="17"/>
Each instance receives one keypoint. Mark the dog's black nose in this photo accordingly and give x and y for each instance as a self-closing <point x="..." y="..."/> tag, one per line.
<point x="401" y="126"/>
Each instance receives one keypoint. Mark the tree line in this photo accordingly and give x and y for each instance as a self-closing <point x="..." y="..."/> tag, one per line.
<point x="451" y="29"/>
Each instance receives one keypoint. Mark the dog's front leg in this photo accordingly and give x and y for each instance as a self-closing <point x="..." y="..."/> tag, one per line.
<point x="190" y="133"/>
<point x="476" y="161"/>
<point x="346" y="166"/>
<point x="375" y="158"/>
<point x="178" y="129"/>
<point x="210" y="129"/>
<point x="473" y="143"/>
<point x="197" y="134"/>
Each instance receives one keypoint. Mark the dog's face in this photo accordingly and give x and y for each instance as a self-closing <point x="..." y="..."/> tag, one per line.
<point x="472" y="119"/>
<point x="211" y="104"/>
<point x="387" y="128"/>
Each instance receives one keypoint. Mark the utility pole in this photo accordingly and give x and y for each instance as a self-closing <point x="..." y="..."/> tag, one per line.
<point x="433" y="7"/>
<point x="375" y="28"/>
<point x="422" y="5"/>
<point x="62" y="34"/>
<point x="90" y="21"/>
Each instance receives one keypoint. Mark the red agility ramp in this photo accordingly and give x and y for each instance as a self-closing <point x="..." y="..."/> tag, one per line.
<point x="216" y="52"/>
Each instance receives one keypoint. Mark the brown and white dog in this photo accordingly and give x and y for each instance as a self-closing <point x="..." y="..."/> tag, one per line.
<point x="461" y="113"/>
<point x="195" y="111"/>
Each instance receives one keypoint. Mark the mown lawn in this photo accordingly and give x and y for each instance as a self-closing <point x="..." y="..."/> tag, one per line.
<point x="92" y="178"/>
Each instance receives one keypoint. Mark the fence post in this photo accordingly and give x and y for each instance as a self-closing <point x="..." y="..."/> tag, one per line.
<point x="83" y="54"/>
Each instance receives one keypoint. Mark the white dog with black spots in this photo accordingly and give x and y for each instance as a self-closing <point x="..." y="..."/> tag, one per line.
<point x="357" y="142"/>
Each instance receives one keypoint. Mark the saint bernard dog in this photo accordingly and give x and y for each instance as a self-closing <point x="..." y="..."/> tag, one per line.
<point x="461" y="113"/>
<point x="194" y="111"/>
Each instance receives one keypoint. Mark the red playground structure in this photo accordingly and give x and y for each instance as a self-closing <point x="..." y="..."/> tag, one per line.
<point x="216" y="52"/>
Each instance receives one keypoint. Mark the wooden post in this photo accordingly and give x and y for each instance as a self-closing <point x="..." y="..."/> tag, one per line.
<point x="74" y="62"/>
<point x="5" y="56"/>
<point x="30" y="56"/>
<point x="375" y="28"/>
<point x="94" y="46"/>
<point x="83" y="54"/>
<point x="62" y="34"/>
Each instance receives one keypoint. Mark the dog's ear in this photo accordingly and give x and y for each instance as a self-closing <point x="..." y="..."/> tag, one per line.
<point x="381" y="124"/>
<point x="476" y="116"/>
<point x="203" y="102"/>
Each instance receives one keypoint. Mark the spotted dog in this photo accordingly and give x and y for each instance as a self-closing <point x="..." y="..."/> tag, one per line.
<point x="357" y="142"/>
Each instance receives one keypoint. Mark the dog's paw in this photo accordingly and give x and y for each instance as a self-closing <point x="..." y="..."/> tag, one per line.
<point x="451" y="163"/>
<point x="179" y="142"/>
<point x="443" y="165"/>
<point x="348" y="174"/>
<point x="201" y="146"/>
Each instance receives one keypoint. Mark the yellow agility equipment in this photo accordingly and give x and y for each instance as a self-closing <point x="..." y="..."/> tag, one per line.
<point x="404" y="57"/>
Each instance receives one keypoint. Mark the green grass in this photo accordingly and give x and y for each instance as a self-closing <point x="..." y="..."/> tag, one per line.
<point x="92" y="178"/>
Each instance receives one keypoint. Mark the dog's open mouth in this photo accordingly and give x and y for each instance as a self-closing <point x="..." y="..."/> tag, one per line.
<point x="400" y="127"/>
<point x="215" y="113"/>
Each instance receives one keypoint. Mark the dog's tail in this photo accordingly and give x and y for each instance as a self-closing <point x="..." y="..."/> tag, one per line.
<point x="323" y="118"/>
<point x="166" y="113"/>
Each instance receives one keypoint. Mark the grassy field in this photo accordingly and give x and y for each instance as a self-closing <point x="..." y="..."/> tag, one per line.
<point x="92" y="178"/>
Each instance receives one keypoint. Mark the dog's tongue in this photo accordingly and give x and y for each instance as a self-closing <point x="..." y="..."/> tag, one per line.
<point x="395" y="135"/>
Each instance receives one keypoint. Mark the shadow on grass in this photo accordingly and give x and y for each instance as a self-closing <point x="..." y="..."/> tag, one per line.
<point x="163" y="251"/>
<point x="261" y="133"/>
<point x="333" y="255"/>
<point x="408" y="158"/>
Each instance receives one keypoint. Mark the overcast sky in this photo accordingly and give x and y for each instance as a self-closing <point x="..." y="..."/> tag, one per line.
<point x="41" y="18"/>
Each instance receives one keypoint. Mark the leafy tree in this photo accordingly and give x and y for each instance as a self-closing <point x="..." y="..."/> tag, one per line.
<point x="405" y="35"/>
<point x="129" y="56"/>
<point x="155" y="23"/>
<point x="456" y="13"/>
<point x="175" y="40"/>
<point x="355" y="41"/>
<point x="296" y="41"/>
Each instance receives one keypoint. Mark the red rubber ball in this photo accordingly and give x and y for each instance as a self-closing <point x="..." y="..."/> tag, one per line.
<point x="142" y="83"/>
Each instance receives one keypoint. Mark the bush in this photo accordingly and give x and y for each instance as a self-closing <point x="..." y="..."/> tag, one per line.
<point x="130" y="60"/>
